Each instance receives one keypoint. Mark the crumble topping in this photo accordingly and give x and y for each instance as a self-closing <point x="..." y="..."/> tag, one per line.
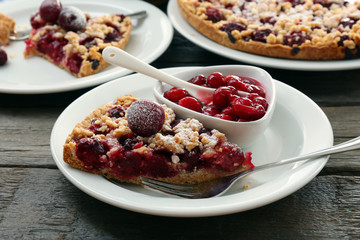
<point x="7" y="26"/>
<point x="185" y="134"/>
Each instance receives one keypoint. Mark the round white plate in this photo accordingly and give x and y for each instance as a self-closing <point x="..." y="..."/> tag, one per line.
<point x="149" y="39"/>
<point x="298" y="126"/>
<point x="194" y="36"/>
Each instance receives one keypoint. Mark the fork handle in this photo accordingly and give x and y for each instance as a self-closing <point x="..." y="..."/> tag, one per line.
<point x="342" y="147"/>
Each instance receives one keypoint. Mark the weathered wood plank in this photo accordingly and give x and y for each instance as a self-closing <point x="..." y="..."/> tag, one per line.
<point x="42" y="204"/>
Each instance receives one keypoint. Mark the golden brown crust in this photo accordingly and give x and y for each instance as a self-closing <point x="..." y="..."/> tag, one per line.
<point x="321" y="46"/>
<point x="7" y="26"/>
<point x="119" y="126"/>
<point x="95" y="28"/>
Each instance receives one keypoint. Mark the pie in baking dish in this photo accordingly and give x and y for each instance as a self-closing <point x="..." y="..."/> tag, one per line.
<point x="294" y="29"/>
<point x="130" y="138"/>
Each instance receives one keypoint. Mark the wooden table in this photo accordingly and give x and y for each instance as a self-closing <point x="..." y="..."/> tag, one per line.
<point x="38" y="202"/>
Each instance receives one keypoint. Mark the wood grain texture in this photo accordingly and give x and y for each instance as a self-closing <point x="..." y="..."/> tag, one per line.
<point x="50" y="207"/>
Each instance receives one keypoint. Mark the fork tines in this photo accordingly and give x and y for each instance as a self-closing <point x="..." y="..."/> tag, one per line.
<point x="186" y="191"/>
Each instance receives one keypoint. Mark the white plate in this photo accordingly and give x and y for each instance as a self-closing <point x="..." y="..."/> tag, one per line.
<point x="149" y="39"/>
<point x="193" y="35"/>
<point x="298" y="126"/>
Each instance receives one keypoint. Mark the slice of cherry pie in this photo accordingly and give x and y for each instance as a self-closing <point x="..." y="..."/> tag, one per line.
<point x="131" y="138"/>
<point x="74" y="41"/>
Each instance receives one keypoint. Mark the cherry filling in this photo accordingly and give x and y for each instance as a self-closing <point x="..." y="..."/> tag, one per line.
<point x="115" y="35"/>
<point x="295" y="38"/>
<point x="90" y="151"/>
<point x="74" y="62"/>
<point x="123" y="162"/>
<point x="347" y="22"/>
<point x="228" y="28"/>
<point x="214" y="15"/>
<point x="51" y="46"/>
<point x="261" y="35"/>
<point x="226" y="103"/>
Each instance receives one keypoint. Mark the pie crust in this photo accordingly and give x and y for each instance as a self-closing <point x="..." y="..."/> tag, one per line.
<point x="294" y="29"/>
<point x="183" y="151"/>
<point x="7" y="26"/>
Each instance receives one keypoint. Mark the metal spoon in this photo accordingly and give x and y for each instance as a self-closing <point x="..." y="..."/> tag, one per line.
<point x="20" y="35"/>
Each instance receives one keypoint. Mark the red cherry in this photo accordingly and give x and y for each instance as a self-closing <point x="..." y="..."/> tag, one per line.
<point x="50" y="10"/>
<point x="3" y="57"/>
<point x="231" y="77"/>
<point x="237" y="83"/>
<point x="224" y="116"/>
<point x="245" y="108"/>
<point x="222" y="95"/>
<point x="211" y="111"/>
<point x="198" y="80"/>
<point x="228" y="111"/>
<point x="145" y="117"/>
<point x="191" y="103"/>
<point x="72" y="19"/>
<point x="175" y="94"/>
<point x="215" y="80"/>
<point x="259" y="100"/>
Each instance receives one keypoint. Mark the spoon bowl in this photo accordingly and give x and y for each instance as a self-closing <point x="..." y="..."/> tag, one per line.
<point x="242" y="133"/>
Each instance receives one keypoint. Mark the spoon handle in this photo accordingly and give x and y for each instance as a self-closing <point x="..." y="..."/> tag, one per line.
<point x="342" y="147"/>
<point x="121" y="58"/>
<point x="138" y="15"/>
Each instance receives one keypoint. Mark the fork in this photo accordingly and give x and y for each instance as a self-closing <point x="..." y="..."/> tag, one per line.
<point x="219" y="186"/>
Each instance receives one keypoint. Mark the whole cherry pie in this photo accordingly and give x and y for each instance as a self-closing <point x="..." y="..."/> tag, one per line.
<point x="72" y="40"/>
<point x="131" y="138"/>
<point x="295" y="29"/>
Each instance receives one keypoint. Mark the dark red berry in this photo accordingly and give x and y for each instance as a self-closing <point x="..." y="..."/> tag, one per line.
<point x="175" y="94"/>
<point x="215" y="80"/>
<point x="191" y="103"/>
<point x="222" y="95"/>
<point x="271" y="20"/>
<point x="3" y="57"/>
<point x="145" y="117"/>
<point x="50" y="10"/>
<point x="198" y="80"/>
<point x="245" y="108"/>
<point x="238" y="84"/>
<point x="295" y="38"/>
<point x="117" y="112"/>
<point x="36" y="21"/>
<point x="228" y="111"/>
<point x="228" y="28"/>
<point x="258" y="100"/>
<point x="261" y="35"/>
<point x="214" y="15"/>
<point x="224" y="116"/>
<point x="211" y="111"/>
<point x="89" y="151"/>
<point x="347" y="22"/>
<point x="72" y="19"/>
